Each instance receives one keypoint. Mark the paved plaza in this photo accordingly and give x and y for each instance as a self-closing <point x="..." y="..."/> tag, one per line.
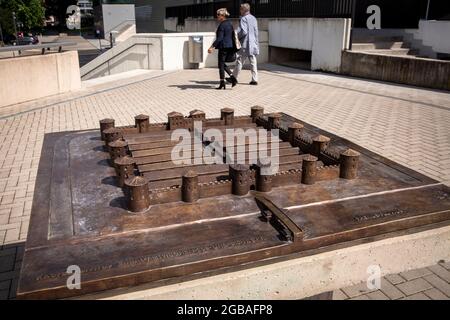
<point x="431" y="283"/>
<point x="408" y="125"/>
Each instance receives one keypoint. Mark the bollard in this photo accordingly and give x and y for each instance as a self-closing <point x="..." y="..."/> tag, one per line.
<point x="240" y="179"/>
<point x="189" y="188"/>
<point x="112" y="134"/>
<point x="138" y="194"/>
<point x="294" y="130"/>
<point x="142" y="123"/>
<point x="309" y="170"/>
<point x="125" y="169"/>
<point x="319" y="144"/>
<point x="118" y="149"/>
<point x="227" y="114"/>
<point x="274" y="120"/>
<point x="263" y="177"/>
<point x="349" y="161"/>
<point x="197" y="115"/>
<point x="256" y="112"/>
<point x="106" y="124"/>
<point x="175" y="120"/>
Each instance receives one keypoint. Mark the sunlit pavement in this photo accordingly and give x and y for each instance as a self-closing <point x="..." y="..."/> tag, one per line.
<point x="406" y="124"/>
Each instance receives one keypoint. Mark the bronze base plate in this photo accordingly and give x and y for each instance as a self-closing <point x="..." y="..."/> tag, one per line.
<point x="79" y="217"/>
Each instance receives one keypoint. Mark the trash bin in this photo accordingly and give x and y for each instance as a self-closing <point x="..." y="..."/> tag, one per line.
<point x="195" y="49"/>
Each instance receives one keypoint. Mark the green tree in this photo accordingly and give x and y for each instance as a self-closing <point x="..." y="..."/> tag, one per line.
<point x="30" y="13"/>
<point x="6" y="21"/>
<point x="35" y="13"/>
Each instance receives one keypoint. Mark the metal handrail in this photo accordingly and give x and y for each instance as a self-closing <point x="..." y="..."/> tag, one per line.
<point x="110" y="58"/>
<point x="42" y="46"/>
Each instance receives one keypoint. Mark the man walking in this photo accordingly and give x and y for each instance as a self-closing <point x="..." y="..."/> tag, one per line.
<point x="248" y="36"/>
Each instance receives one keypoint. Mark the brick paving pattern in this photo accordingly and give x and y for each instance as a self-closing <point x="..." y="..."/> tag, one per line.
<point x="408" y="125"/>
<point x="430" y="283"/>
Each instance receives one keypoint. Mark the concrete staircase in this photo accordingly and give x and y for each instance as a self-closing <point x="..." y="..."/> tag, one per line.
<point x="385" y="45"/>
<point x="125" y="31"/>
<point x="413" y="36"/>
<point x="86" y="49"/>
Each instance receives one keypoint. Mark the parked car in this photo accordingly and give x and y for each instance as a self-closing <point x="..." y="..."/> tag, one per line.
<point x="25" y="40"/>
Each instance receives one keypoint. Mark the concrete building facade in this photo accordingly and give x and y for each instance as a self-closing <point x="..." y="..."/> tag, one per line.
<point x="150" y="14"/>
<point x="114" y="17"/>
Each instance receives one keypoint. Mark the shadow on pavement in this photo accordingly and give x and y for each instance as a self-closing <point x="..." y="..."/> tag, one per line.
<point x="192" y="86"/>
<point x="10" y="263"/>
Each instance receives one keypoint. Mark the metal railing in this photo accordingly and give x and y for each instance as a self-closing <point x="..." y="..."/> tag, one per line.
<point x="267" y="9"/>
<point x="395" y="13"/>
<point x="202" y="10"/>
<point x="304" y="8"/>
<point x="43" y="47"/>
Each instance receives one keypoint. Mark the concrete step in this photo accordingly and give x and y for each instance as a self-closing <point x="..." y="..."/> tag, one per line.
<point x="380" y="45"/>
<point x="415" y="52"/>
<point x="118" y="78"/>
<point x="391" y="52"/>
<point x="424" y="50"/>
<point x="361" y="38"/>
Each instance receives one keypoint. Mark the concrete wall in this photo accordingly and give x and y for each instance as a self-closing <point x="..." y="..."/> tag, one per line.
<point x="210" y="25"/>
<point x="155" y="22"/>
<point x="326" y="38"/>
<point x="204" y="25"/>
<point x="33" y="77"/>
<point x="171" y="25"/>
<point x="406" y="70"/>
<point x="115" y="14"/>
<point x="176" y="51"/>
<point x="157" y="51"/>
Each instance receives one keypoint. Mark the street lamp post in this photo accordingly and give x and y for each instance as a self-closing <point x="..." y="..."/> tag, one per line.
<point x="1" y="34"/>
<point x="428" y="10"/>
<point x="1" y="31"/>
<point x="15" y="28"/>
<point x="352" y="23"/>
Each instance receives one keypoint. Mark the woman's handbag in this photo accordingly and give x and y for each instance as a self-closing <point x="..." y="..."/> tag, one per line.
<point x="231" y="55"/>
<point x="236" y="43"/>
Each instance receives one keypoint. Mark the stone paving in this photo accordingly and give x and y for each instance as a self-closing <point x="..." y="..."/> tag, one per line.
<point x="408" y="125"/>
<point x="432" y="283"/>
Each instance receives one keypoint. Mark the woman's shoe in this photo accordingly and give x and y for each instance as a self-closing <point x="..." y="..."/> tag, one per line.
<point x="222" y="85"/>
<point x="233" y="81"/>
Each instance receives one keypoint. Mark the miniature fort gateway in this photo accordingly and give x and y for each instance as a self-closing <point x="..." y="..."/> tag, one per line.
<point x="114" y="204"/>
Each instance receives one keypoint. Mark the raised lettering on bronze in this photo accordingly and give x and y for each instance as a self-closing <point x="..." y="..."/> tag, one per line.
<point x="379" y="215"/>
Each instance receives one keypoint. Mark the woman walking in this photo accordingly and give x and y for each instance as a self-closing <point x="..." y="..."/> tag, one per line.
<point x="225" y="44"/>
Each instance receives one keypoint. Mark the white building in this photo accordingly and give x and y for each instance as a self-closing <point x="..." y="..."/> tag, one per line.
<point x="116" y="18"/>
